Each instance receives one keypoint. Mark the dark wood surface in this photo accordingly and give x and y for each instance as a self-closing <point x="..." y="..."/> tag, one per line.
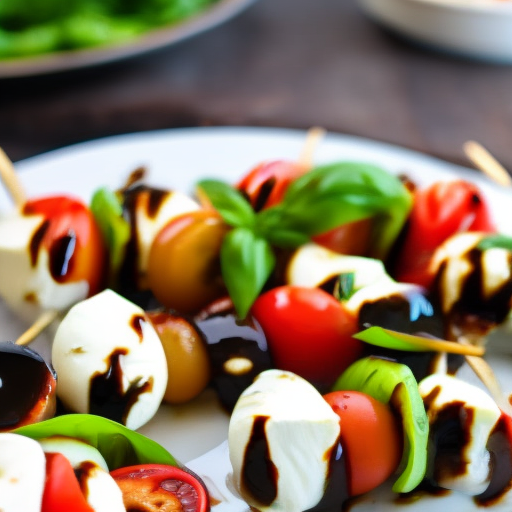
<point x="289" y="63"/>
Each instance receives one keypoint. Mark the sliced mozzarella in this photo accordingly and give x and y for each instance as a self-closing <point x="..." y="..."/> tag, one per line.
<point x="477" y="414"/>
<point x="22" y="474"/>
<point x="287" y="415"/>
<point x="26" y="288"/>
<point x="312" y="265"/>
<point x="89" y="337"/>
<point x="75" y="450"/>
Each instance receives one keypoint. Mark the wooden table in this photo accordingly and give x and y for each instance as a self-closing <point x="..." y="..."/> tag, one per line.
<point x="290" y="63"/>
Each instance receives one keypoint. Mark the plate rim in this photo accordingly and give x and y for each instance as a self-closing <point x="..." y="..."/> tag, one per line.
<point x="57" y="62"/>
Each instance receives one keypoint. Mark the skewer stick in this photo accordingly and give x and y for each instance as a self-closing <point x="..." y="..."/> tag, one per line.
<point x="44" y="320"/>
<point x="487" y="163"/>
<point x="11" y="180"/>
<point x="312" y="139"/>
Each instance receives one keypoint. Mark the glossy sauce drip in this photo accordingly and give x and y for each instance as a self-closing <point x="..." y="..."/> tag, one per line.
<point x="259" y="474"/>
<point x="106" y="391"/>
<point x="36" y="241"/>
<point x="336" y="491"/>
<point x="83" y="473"/>
<point x="61" y="256"/>
<point x="499" y="445"/>
<point x="136" y="323"/>
<point x="264" y="193"/>
<point x="226" y="338"/>
<point x="25" y="378"/>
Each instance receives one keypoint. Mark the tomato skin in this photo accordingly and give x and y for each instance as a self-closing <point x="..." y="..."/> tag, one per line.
<point x="308" y="332"/>
<point x="266" y="184"/>
<point x="370" y="437"/>
<point x="352" y="238"/>
<point x="69" y="216"/>
<point x="184" y="266"/>
<point x="439" y="211"/>
<point x="142" y="488"/>
<point x="62" y="491"/>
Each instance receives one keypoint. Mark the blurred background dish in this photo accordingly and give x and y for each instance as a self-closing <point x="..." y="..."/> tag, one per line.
<point x="124" y="42"/>
<point x="479" y="29"/>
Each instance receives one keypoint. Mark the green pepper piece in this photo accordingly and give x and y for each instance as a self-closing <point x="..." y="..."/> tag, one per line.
<point x="108" y="212"/>
<point x="119" y="445"/>
<point x="394" y="383"/>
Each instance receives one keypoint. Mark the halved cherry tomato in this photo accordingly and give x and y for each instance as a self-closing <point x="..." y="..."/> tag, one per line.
<point x="72" y="238"/>
<point x="184" y="267"/>
<point x="62" y="491"/>
<point x="370" y="437"/>
<point x="188" y="363"/>
<point x="156" y="487"/>
<point x="352" y="238"/>
<point x="266" y="184"/>
<point x="308" y="332"/>
<point x="439" y="211"/>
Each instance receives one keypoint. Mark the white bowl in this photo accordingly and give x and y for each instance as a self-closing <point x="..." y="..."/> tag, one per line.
<point x="479" y="29"/>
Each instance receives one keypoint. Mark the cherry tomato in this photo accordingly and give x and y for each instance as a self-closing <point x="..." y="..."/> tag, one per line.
<point x="266" y="184"/>
<point x="187" y="358"/>
<point x="62" y="491"/>
<point x="72" y="239"/>
<point x="184" y="267"/>
<point x="308" y="332"/>
<point x="370" y="437"/>
<point x="352" y="238"/>
<point x="439" y="211"/>
<point x="156" y="487"/>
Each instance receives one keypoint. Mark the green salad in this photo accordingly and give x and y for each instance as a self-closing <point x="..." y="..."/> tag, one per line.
<point x="33" y="27"/>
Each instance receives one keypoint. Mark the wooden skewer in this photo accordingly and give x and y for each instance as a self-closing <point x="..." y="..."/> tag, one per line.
<point x="44" y="320"/>
<point x="487" y="163"/>
<point x="11" y="180"/>
<point x="312" y="139"/>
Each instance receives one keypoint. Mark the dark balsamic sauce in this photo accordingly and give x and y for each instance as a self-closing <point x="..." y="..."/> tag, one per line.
<point x="36" y="241"/>
<point x="259" y="474"/>
<point x="136" y="323"/>
<point x="61" y="253"/>
<point x="83" y="473"/>
<point x="25" y="379"/>
<point x="107" y="397"/>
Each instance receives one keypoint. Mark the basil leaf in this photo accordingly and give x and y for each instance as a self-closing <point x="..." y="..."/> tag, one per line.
<point x="247" y="261"/>
<point x="336" y="194"/>
<point x="389" y="381"/>
<point x="229" y="202"/>
<point x="119" y="445"/>
<point x="108" y="212"/>
<point x="495" y="242"/>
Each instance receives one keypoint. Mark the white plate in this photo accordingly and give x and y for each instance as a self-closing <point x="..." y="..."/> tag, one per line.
<point x="152" y="40"/>
<point x="479" y="29"/>
<point x="176" y="159"/>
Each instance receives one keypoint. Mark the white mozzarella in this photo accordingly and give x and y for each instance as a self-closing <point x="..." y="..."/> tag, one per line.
<point x="22" y="474"/>
<point x="101" y="491"/>
<point x="482" y="414"/>
<point x="301" y="430"/>
<point x="87" y="337"/>
<point x="27" y="289"/>
<point x="311" y="265"/>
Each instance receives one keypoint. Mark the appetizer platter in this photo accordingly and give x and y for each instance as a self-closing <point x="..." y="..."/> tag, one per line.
<point x="317" y="281"/>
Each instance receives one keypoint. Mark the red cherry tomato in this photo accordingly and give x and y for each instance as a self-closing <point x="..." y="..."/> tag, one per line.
<point x="72" y="239"/>
<point x="266" y="184"/>
<point x="352" y="238"/>
<point x="151" y="487"/>
<point x="370" y="437"/>
<point x="308" y="332"/>
<point x="439" y="211"/>
<point x="62" y="491"/>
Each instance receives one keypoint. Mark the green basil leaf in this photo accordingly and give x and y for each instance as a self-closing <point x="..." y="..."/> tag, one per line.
<point x="344" y="288"/>
<point x="394" y="383"/>
<point x="286" y="238"/>
<point x="108" y="212"/>
<point x="247" y="261"/>
<point x="229" y="202"/>
<point x="495" y="242"/>
<point x="336" y="194"/>
<point x="119" y="445"/>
